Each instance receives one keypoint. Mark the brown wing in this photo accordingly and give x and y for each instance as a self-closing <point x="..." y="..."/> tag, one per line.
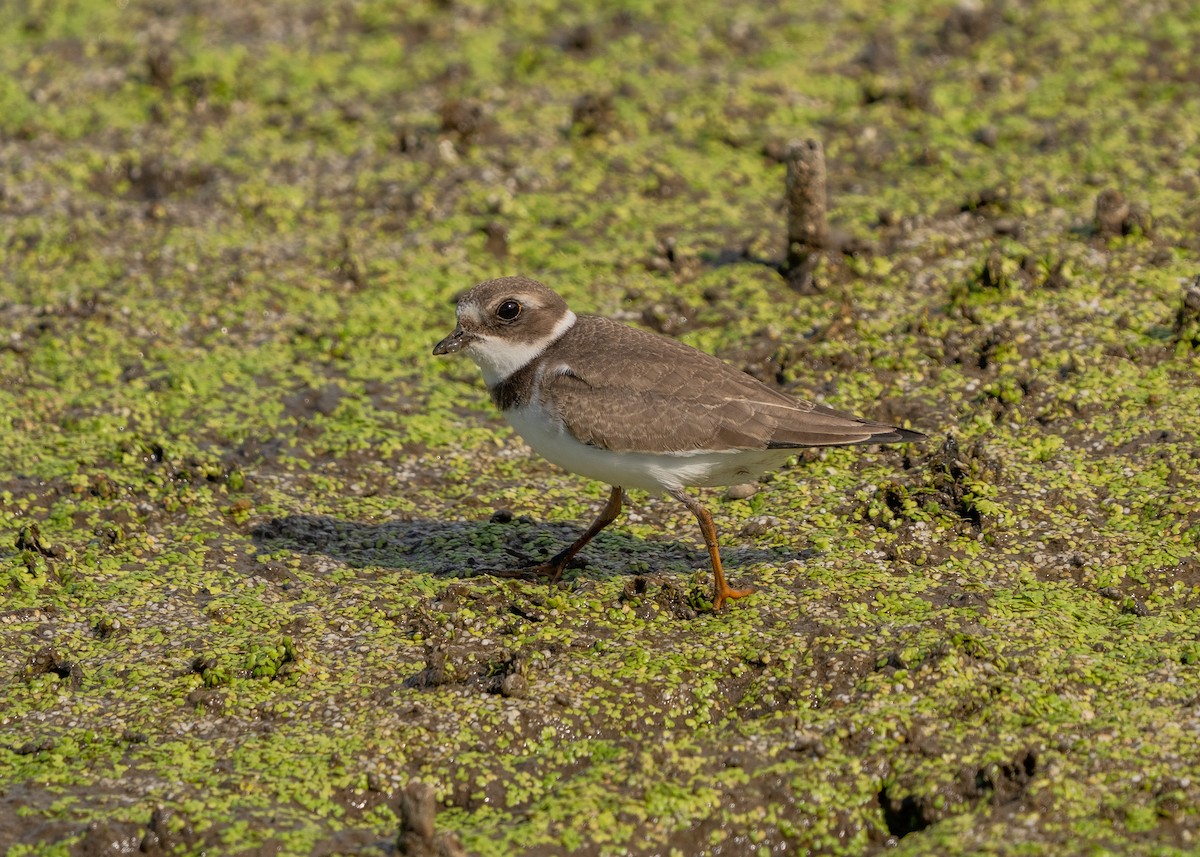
<point x="650" y="393"/>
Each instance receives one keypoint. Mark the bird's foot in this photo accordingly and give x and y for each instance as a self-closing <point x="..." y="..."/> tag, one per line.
<point x="542" y="570"/>
<point x="727" y="592"/>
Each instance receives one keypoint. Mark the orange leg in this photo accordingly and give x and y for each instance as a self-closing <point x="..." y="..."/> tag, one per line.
<point x="553" y="567"/>
<point x="721" y="589"/>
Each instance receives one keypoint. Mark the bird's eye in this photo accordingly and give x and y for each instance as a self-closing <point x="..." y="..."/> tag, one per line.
<point x="508" y="310"/>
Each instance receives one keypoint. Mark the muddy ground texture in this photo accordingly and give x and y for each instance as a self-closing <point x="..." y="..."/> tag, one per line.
<point x="244" y="513"/>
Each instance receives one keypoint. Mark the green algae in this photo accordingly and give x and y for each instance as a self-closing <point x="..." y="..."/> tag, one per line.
<point x="262" y="507"/>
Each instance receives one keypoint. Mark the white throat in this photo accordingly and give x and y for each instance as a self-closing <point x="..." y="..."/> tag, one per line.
<point x="498" y="357"/>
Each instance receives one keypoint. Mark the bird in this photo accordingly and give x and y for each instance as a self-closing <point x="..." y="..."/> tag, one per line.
<point x="635" y="409"/>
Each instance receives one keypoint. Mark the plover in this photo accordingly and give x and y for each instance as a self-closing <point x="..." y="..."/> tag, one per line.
<point x="635" y="409"/>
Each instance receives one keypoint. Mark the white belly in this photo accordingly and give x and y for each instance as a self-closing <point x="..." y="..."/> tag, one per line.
<point x="648" y="471"/>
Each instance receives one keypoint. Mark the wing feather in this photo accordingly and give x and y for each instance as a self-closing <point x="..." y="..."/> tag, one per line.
<point x="650" y="393"/>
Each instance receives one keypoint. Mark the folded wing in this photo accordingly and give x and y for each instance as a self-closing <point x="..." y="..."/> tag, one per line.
<point x="653" y="394"/>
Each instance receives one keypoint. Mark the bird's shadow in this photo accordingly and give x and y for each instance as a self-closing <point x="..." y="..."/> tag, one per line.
<point x="472" y="548"/>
